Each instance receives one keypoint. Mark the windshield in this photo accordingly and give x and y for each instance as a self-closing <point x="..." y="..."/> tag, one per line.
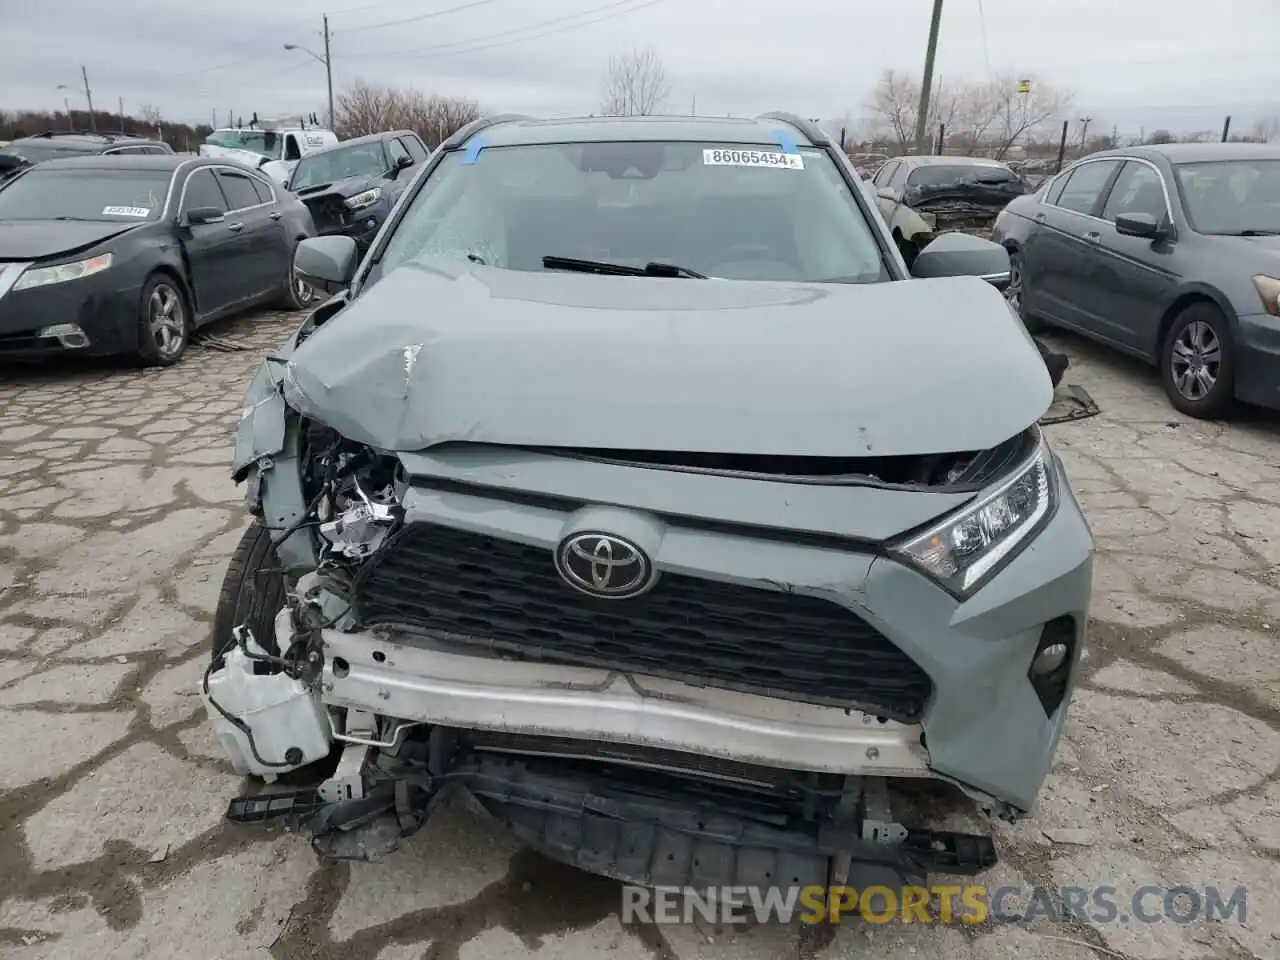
<point x="362" y="160"/>
<point x="266" y="143"/>
<point x="78" y="193"/>
<point x="1226" y="197"/>
<point x="946" y="175"/>
<point x="36" y="152"/>
<point x="724" y="210"/>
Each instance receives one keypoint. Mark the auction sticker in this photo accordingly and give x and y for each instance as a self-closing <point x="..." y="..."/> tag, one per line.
<point x="125" y="212"/>
<point x="721" y="157"/>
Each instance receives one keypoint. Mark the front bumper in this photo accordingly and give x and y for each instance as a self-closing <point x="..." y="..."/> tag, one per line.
<point x="106" y="315"/>
<point x="1258" y="360"/>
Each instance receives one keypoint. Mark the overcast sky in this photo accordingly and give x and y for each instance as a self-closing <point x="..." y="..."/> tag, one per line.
<point x="1123" y="58"/>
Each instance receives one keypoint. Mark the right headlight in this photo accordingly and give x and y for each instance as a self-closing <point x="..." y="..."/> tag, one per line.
<point x="967" y="548"/>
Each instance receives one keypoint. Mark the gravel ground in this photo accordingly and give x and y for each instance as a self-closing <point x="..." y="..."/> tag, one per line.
<point x="118" y="517"/>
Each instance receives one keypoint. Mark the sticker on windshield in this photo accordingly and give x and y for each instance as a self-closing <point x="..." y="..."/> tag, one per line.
<point x="125" y="212"/>
<point x="752" y="158"/>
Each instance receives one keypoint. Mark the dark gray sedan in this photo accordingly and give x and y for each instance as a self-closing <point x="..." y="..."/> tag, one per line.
<point x="1170" y="253"/>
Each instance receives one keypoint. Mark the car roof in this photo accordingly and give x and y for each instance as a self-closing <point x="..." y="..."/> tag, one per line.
<point x="126" y="161"/>
<point x="1196" y="152"/>
<point x="85" y="141"/>
<point x="503" y="132"/>
<point x="936" y="160"/>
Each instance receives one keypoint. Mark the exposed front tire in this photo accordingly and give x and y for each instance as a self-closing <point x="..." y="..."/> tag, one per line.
<point x="1197" y="363"/>
<point x="253" y="591"/>
<point x="297" y="293"/>
<point x="1014" y="293"/>
<point x="164" y="324"/>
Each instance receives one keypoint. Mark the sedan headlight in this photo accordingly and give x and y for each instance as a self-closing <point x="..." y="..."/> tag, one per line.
<point x="366" y="199"/>
<point x="1269" y="290"/>
<point x="967" y="548"/>
<point x="43" y="276"/>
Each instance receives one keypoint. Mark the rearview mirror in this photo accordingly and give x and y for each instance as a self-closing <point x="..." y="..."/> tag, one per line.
<point x="198" y="215"/>
<point x="402" y="161"/>
<point x="963" y="255"/>
<point x="1139" y="225"/>
<point x="327" y="262"/>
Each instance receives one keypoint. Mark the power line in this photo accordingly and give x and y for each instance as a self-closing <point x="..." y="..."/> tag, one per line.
<point x="473" y="44"/>
<point x="416" y="18"/>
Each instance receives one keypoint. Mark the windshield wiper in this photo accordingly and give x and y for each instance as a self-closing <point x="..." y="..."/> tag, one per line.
<point x="620" y="269"/>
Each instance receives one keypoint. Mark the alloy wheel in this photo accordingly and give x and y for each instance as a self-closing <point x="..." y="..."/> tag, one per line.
<point x="167" y="321"/>
<point x="1196" y="360"/>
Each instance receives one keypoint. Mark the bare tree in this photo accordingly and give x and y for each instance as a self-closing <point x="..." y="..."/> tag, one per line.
<point x="1266" y="129"/>
<point x="369" y="108"/>
<point x="893" y="105"/>
<point x="150" y="114"/>
<point x="1021" y="114"/>
<point x="636" y="85"/>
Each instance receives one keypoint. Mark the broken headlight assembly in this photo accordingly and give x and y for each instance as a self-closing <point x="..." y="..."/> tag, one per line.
<point x="355" y="495"/>
<point x="967" y="548"/>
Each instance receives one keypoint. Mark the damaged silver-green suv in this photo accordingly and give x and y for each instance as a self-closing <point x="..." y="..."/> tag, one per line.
<point x="631" y="486"/>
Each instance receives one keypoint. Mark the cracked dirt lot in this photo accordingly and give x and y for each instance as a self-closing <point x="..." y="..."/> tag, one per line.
<point x="116" y="518"/>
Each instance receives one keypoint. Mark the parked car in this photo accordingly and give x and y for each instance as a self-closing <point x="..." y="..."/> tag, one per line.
<point x="103" y="255"/>
<point x="677" y="576"/>
<point x="19" y="154"/>
<point x="350" y="187"/>
<point x="1170" y="253"/>
<point x="926" y="195"/>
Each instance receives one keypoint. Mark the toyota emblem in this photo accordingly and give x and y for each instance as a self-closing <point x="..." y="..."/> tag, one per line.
<point x="602" y="565"/>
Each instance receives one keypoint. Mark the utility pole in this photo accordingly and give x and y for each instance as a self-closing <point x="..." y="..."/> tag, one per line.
<point x="1084" y="130"/>
<point x="88" y="96"/>
<point x="122" y="114"/>
<point x="66" y="102"/>
<point x="328" y="69"/>
<point x="926" y="84"/>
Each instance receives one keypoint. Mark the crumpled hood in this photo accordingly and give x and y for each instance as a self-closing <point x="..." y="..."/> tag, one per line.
<point x="347" y="187"/>
<point x="428" y="356"/>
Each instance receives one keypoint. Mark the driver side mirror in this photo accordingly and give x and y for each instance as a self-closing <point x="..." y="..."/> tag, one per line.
<point x="887" y="193"/>
<point x="964" y="255"/>
<point x="327" y="262"/>
<point x="199" y="215"/>
<point x="1142" y="225"/>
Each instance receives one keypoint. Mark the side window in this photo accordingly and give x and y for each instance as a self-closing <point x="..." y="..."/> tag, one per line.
<point x="397" y="149"/>
<point x="263" y="191"/>
<point x="1085" y="185"/>
<point x="239" y="189"/>
<point x="291" y="149"/>
<point x="1055" y="189"/>
<point x="1138" y="189"/>
<point x="882" y="176"/>
<point x="899" y="178"/>
<point x="203" y="191"/>
<point x="417" y="149"/>
<point x="123" y="150"/>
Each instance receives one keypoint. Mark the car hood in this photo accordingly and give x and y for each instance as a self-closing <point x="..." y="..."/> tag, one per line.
<point x="347" y="187"/>
<point x="428" y="356"/>
<point x="39" y="239"/>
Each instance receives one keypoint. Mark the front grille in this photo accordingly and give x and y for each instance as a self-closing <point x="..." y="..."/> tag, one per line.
<point x="509" y="597"/>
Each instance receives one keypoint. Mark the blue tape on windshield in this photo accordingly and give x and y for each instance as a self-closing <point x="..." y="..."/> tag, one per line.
<point x="473" y="151"/>
<point x="784" y="140"/>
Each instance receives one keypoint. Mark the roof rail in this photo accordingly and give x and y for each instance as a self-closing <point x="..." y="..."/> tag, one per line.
<point x="114" y="135"/>
<point x="811" y="130"/>
<point x="464" y="134"/>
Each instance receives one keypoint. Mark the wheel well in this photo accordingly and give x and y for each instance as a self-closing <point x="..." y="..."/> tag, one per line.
<point x="173" y="274"/>
<point x="1172" y="312"/>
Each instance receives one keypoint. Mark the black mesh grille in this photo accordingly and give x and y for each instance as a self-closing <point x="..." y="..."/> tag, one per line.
<point x="509" y="597"/>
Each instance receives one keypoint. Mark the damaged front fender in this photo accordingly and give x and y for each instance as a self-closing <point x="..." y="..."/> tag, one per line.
<point x="263" y="419"/>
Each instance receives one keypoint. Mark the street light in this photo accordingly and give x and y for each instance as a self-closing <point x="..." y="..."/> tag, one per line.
<point x="328" y="67"/>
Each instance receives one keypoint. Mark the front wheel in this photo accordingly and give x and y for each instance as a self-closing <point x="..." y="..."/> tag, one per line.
<point x="253" y="591"/>
<point x="297" y="294"/>
<point x="1197" y="363"/>
<point x="164" y="329"/>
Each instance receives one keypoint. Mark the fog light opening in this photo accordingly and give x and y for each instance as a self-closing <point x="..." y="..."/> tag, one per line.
<point x="67" y="334"/>
<point x="1050" y="670"/>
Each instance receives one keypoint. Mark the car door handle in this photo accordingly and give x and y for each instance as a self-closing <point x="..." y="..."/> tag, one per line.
<point x="276" y="214"/>
<point x="235" y="227"/>
<point x="1093" y="236"/>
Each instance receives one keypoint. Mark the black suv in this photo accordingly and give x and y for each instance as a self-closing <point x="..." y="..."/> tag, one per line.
<point x="52" y="144"/>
